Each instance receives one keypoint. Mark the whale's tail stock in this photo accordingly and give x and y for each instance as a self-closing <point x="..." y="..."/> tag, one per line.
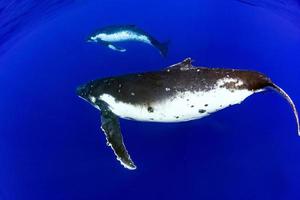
<point x="257" y="82"/>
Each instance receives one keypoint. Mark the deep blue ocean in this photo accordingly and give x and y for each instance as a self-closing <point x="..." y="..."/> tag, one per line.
<point x="51" y="145"/>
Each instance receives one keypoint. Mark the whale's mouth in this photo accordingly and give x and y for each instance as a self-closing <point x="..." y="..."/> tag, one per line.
<point x="82" y="91"/>
<point x="91" y="39"/>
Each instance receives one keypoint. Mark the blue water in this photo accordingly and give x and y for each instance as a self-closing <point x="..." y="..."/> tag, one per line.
<point x="51" y="146"/>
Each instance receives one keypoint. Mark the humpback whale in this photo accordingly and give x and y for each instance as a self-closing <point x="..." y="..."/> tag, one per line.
<point x="110" y="35"/>
<point x="178" y="93"/>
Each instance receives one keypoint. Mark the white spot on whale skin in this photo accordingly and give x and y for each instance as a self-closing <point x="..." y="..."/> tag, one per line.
<point x="237" y="82"/>
<point x="168" y="89"/>
<point x="93" y="99"/>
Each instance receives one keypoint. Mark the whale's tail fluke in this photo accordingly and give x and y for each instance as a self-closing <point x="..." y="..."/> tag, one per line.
<point x="288" y="98"/>
<point x="163" y="47"/>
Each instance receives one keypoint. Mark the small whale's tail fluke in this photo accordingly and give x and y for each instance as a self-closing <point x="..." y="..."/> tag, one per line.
<point x="288" y="98"/>
<point x="162" y="47"/>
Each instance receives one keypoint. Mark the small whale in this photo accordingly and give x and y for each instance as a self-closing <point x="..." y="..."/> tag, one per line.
<point x="177" y="93"/>
<point x="110" y="35"/>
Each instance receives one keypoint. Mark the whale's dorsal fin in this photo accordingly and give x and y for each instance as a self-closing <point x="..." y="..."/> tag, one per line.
<point x="111" y="128"/>
<point x="186" y="64"/>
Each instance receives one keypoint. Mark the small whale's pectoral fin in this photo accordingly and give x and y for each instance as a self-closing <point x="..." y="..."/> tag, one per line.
<point x="115" y="48"/>
<point x="111" y="128"/>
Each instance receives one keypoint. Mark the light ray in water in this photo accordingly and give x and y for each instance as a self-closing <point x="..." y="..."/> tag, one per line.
<point x="289" y="9"/>
<point x="15" y="16"/>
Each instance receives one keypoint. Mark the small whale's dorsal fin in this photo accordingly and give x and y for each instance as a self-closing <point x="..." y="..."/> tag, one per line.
<point x="186" y="64"/>
<point x="111" y="128"/>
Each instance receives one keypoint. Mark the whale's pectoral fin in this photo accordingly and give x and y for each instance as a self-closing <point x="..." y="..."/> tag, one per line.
<point x="111" y="127"/>
<point x="113" y="47"/>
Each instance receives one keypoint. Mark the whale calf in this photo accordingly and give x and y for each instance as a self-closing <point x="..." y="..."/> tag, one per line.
<point x="177" y="93"/>
<point x="110" y="35"/>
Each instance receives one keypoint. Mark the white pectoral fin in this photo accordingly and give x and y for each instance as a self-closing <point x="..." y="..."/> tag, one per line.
<point x="115" y="48"/>
<point x="111" y="128"/>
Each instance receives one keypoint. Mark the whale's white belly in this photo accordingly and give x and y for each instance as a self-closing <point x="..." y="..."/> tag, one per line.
<point x="183" y="106"/>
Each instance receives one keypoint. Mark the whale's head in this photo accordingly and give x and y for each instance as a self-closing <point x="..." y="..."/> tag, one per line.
<point x="93" y="38"/>
<point x="92" y="91"/>
<point x="89" y="39"/>
<point x="83" y="91"/>
<point x="87" y="92"/>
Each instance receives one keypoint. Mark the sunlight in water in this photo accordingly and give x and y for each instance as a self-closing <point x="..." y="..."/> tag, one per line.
<point x="15" y="16"/>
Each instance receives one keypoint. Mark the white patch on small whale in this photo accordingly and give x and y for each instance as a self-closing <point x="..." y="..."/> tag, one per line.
<point x="183" y="106"/>
<point x="121" y="36"/>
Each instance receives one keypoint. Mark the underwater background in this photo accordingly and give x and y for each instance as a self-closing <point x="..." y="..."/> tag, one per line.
<point x="51" y="146"/>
